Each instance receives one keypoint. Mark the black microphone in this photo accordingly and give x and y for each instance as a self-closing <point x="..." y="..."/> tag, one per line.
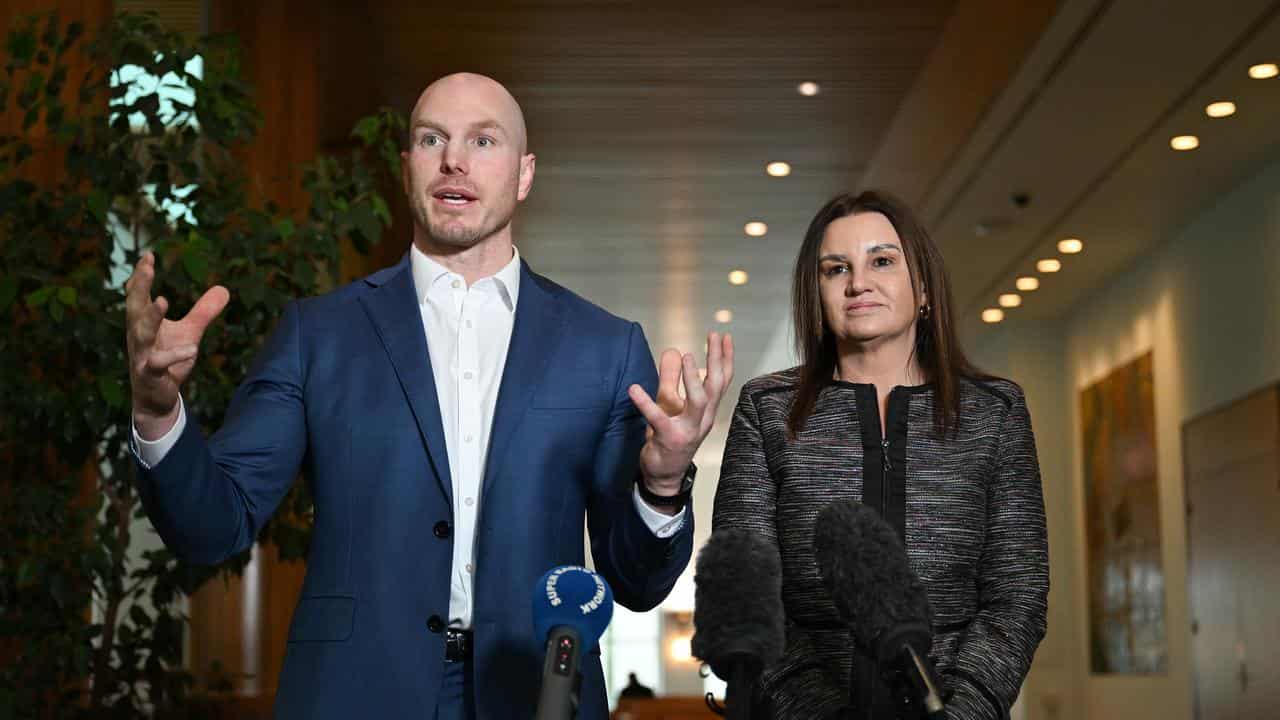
<point x="737" y="615"/>
<point x="572" y="607"/>
<point x="865" y="568"/>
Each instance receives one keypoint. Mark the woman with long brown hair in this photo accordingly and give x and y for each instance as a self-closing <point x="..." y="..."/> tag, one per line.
<point x="886" y="409"/>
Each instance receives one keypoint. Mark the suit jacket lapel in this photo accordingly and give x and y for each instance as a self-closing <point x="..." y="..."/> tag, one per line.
<point x="539" y="323"/>
<point x="393" y="307"/>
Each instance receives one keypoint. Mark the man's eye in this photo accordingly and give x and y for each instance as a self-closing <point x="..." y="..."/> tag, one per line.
<point x="430" y="141"/>
<point x="484" y="141"/>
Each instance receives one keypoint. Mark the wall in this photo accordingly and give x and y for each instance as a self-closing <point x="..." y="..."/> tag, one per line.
<point x="1207" y="305"/>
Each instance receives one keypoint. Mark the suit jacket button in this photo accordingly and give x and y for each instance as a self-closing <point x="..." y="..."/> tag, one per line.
<point x="435" y="624"/>
<point x="442" y="529"/>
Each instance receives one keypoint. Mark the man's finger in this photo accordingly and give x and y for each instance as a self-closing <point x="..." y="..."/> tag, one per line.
<point x="138" y="288"/>
<point x="712" y="384"/>
<point x="207" y="308"/>
<point x="159" y="361"/>
<point x="653" y="414"/>
<point x="147" y="324"/>
<point x="695" y="396"/>
<point x="669" y="366"/>
<point x="726" y="361"/>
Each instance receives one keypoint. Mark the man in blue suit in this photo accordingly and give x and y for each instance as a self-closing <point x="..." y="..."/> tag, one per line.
<point x="457" y="417"/>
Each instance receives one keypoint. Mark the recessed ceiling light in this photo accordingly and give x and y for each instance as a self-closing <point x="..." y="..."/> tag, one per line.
<point x="1010" y="300"/>
<point x="738" y="277"/>
<point x="1263" y="71"/>
<point x="1049" y="265"/>
<point x="992" y="315"/>
<point x="1220" y="109"/>
<point x="808" y="89"/>
<point x="755" y="228"/>
<point x="1027" y="284"/>
<point x="778" y="169"/>
<point x="1070" y="246"/>
<point x="724" y="316"/>
<point x="1184" y="142"/>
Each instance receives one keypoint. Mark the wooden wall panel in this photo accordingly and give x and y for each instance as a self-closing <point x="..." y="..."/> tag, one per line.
<point x="45" y="166"/>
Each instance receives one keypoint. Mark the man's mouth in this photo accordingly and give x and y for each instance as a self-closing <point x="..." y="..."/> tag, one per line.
<point x="453" y="196"/>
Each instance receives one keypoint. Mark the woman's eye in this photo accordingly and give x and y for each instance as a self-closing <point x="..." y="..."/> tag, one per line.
<point x="882" y="261"/>
<point x="833" y="270"/>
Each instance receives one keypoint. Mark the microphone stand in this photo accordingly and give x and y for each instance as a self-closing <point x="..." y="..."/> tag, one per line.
<point x="743" y="670"/>
<point x="561" y="676"/>
<point x="737" y="696"/>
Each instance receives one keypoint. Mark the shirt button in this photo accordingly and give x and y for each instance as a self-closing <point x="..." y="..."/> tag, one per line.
<point x="470" y="502"/>
<point x="470" y="568"/>
<point x="466" y="376"/>
<point x="469" y="438"/>
<point x="468" y="323"/>
<point x="457" y="284"/>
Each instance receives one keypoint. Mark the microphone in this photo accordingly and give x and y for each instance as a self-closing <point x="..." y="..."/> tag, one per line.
<point x="572" y="607"/>
<point x="865" y="568"/>
<point x="737" y="614"/>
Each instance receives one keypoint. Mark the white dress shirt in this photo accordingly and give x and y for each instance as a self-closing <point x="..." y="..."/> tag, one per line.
<point x="468" y="332"/>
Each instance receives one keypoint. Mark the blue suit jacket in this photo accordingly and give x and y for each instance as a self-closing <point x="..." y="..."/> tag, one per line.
<point x="344" y="392"/>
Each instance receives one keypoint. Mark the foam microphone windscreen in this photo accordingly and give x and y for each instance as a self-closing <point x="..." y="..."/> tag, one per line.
<point x="737" y="614"/>
<point x="575" y="597"/>
<point x="865" y="569"/>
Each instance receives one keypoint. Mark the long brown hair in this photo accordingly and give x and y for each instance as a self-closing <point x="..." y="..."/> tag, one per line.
<point x="937" y="349"/>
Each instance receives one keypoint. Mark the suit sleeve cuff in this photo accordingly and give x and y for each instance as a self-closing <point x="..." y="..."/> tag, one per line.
<point x="662" y="525"/>
<point x="151" y="452"/>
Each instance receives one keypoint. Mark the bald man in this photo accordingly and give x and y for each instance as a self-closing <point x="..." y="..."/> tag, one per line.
<point x="458" y="417"/>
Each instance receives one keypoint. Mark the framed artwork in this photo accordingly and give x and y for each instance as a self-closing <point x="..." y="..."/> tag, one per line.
<point x="1122" y="523"/>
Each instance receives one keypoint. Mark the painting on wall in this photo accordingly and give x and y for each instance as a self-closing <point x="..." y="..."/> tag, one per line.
<point x="1122" y="523"/>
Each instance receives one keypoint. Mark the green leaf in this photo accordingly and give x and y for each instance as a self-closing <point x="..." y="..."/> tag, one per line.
<point x="112" y="390"/>
<point x="253" y="294"/>
<point x="197" y="243"/>
<point x="304" y="273"/>
<point x="98" y="204"/>
<point x="366" y="223"/>
<point x="8" y="291"/>
<point x="74" y="31"/>
<point x="367" y="129"/>
<point x="25" y="571"/>
<point x="67" y="296"/>
<point x="381" y="211"/>
<point x="35" y="82"/>
<point x="57" y="80"/>
<point x="197" y="265"/>
<point x="22" y="46"/>
<point x="56" y="312"/>
<point x="36" y="298"/>
<point x="285" y="228"/>
<point x="50" y="37"/>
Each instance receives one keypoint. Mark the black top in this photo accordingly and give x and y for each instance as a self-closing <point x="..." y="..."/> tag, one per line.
<point x="968" y="507"/>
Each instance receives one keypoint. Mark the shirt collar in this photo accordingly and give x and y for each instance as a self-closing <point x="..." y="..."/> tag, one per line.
<point x="428" y="272"/>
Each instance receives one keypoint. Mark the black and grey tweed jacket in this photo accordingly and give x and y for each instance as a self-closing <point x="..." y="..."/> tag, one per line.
<point x="969" y="508"/>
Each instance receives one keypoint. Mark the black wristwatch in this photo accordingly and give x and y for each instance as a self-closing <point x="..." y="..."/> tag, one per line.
<point x="677" y="500"/>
